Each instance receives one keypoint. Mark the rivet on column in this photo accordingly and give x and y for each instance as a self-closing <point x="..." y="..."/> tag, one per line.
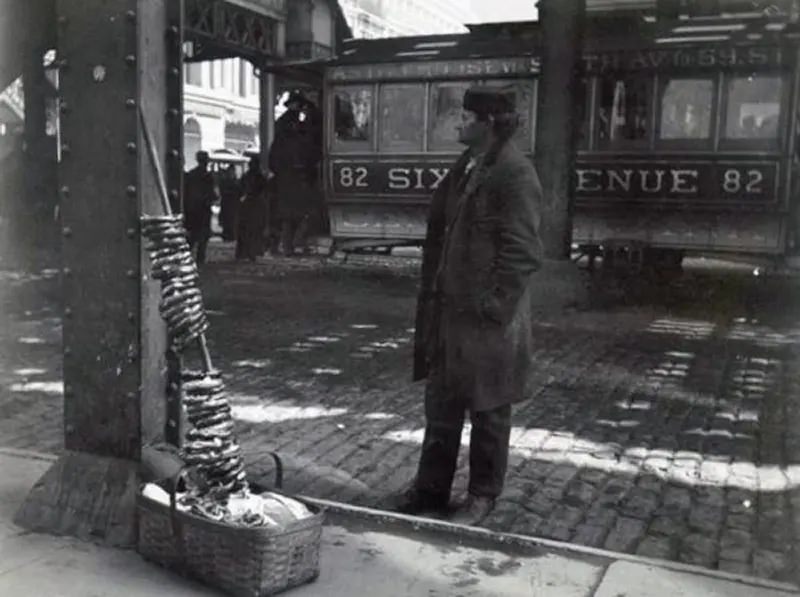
<point x="131" y="273"/>
<point x="66" y="231"/>
<point x="65" y="148"/>
<point x="131" y="190"/>
<point x="130" y="103"/>
<point x="65" y="191"/>
<point x="131" y="146"/>
<point x="130" y="59"/>
<point x="67" y="272"/>
<point x="131" y="232"/>
<point x="67" y="312"/>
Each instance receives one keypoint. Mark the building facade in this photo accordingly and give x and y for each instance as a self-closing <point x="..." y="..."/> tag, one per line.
<point x="220" y="104"/>
<point x="392" y="18"/>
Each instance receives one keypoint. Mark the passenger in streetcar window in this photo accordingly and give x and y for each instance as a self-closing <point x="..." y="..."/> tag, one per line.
<point x="472" y="340"/>
<point x="623" y="112"/>
<point x="353" y="117"/>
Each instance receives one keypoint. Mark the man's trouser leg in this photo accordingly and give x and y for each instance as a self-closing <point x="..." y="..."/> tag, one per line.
<point x="437" y="464"/>
<point x="488" y="451"/>
<point x="202" y="245"/>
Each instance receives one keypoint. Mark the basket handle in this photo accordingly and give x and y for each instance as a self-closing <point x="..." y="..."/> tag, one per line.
<point x="278" y="470"/>
<point x="173" y="507"/>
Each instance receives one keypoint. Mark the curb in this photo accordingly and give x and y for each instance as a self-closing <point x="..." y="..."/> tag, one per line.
<point x="450" y="528"/>
<point x="530" y="541"/>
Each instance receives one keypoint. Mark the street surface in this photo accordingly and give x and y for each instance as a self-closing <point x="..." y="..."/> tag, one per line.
<point x="666" y="420"/>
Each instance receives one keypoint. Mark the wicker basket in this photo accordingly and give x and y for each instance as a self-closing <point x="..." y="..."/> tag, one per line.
<point x="247" y="562"/>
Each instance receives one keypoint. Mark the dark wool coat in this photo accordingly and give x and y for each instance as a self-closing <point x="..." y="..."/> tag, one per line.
<point x="481" y="250"/>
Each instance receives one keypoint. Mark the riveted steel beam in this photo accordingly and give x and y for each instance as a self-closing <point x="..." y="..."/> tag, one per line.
<point x="220" y="29"/>
<point x="113" y="62"/>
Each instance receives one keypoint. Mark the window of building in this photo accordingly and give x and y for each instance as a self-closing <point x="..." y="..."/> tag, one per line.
<point x="686" y="109"/>
<point x="242" y="77"/>
<point x="445" y="115"/>
<point x="753" y="107"/>
<point x="352" y="126"/>
<point x="402" y="108"/>
<point x="194" y="73"/>
<point x="623" y="111"/>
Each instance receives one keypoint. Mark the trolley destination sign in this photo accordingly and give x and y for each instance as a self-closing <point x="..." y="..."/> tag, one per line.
<point x="677" y="58"/>
<point x="634" y="180"/>
<point x="437" y="69"/>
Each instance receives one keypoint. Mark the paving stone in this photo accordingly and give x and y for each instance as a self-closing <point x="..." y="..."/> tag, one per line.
<point x="661" y="547"/>
<point x="735" y="567"/>
<point x="670" y="527"/>
<point x="744" y="521"/>
<point x="676" y="499"/>
<point x="706" y="519"/>
<point x="580" y="493"/>
<point x="698" y="549"/>
<point x="770" y="564"/>
<point x="627" y="532"/>
<point x="736" y="545"/>
<point x="640" y="503"/>
<point x="590" y="535"/>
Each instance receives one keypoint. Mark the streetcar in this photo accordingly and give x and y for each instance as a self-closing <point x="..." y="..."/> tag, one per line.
<point x="687" y="141"/>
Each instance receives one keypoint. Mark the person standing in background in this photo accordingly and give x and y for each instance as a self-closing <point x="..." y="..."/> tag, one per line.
<point x="252" y="212"/>
<point x="200" y="194"/>
<point x="230" y="192"/>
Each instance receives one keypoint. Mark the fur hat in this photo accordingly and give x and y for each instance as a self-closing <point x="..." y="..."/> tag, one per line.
<point x="485" y="100"/>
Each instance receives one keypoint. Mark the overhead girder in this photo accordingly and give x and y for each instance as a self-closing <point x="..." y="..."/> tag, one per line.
<point x="220" y="29"/>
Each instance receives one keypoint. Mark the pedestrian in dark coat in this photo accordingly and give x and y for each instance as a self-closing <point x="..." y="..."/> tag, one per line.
<point x="230" y="192"/>
<point x="252" y="213"/>
<point x="199" y="194"/>
<point x="473" y="329"/>
<point x="294" y="159"/>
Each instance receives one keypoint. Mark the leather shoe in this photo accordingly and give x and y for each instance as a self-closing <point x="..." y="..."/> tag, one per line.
<point x="474" y="511"/>
<point x="414" y="502"/>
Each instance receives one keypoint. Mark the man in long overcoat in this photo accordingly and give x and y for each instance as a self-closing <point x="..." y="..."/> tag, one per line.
<point x="473" y="332"/>
<point x="199" y="194"/>
<point x="294" y="159"/>
<point x="252" y="212"/>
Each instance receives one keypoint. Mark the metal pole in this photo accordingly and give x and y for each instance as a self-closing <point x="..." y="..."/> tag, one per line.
<point x="562" y="31"/>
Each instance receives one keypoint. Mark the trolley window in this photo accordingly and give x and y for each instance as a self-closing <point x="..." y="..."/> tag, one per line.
<point x="753" y="108"/>
<point x="402" y="108"/>
<point x="686" y="111"/>
<point x="445" y="115"/>
<point x="623" y="108"/>
<point x="352" y="123"/>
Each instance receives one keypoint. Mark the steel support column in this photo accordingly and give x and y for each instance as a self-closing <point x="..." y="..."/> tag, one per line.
<point x="562" y="22"/>
<point x="174" y="174"/>
<point x="556" y="129"/>
<point x="266" y="114"/>
<point x="113" y="62"/>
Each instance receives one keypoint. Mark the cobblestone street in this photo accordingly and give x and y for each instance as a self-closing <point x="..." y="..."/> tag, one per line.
<point x="667" y="426"/>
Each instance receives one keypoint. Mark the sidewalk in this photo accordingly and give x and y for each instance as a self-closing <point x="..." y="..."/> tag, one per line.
<point x="362" y="554"/>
